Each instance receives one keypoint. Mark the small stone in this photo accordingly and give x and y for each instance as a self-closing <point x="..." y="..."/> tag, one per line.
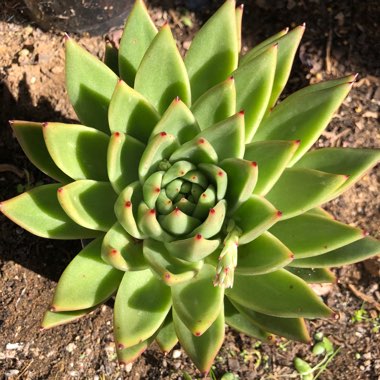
<point x="186" y="45"/>
<point x="14" y="346"/>
<point x="33" y="80"/>
<point x="24" y="53"/>
<point x="71" y="347"/>
<point x="176" y="354"/>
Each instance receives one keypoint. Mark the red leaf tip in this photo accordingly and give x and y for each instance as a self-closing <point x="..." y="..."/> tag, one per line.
<point x="335" y="316"/>
<point x="66" y="36"/>
<point x="52" y="309"/>
<point x="198" y="236"/>
<point x="201" y="141"/>
<point x="303" y="25"/>
<point x="365" y="233"/>
<point x="60" y="189"/>
<point x="128" y="204"/>
<point x="279" y="213"/>
<point x="157" y="189"/>
<point x="163" y="134"/>
<point x="113" y="251"/>
<point x="212" y="211"/>
<point x="241" y="112"/>
<point x="231" y="78"/>
<point x="120" y="346"/>
<point x="220" y="173"/>
<point x="167" y="276"/>
<point x="45" y="124"/>
<point x="152" y="211"/>
<point x="177" y="99"/>
<point x="197" y="333"/>
<point x="254" y="164"/>
<point x="117" y="134"/>
<point x="297" y="142"/>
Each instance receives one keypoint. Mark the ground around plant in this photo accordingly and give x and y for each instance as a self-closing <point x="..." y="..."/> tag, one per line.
<point x="341" y="38"/>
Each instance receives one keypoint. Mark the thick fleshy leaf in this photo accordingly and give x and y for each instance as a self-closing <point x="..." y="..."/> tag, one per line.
<point x="215" y="105"/>
<point x="170" y="270"/>
<point x="87" y="281"/>
<point x="111" y="57"/>
<point x="30" y="137"/>
<point x="162" y="76"/>
<point x="130" y="354"/>
<point x="239" y="18"/>
<point x="85" y="157"/>
<point x="178" y="223"/>
<point x="177" y="170"/>
<point x="141" y="305"/>
<point x="129" y="112"/>
<point x="241" y="323"/>
<point x="89" y="203"/>
<point x="253" y="91"/>
<point x="280" y="294"/>
<point x="254" y="217"/>
<point x="126" y="209"/>
<point x="319" y="211"/>
<point x="39" y="212"/>
<point x="90" y="85"/>
<point x="348" y="161"/>
<point x="121" y="250"/>
<point x="218" y="177"/>
<point x="178" y="121"/>
<point x="226" y="137"/>
<point x="290" y="328"/>
<point x="139" y="32"/>
<point x="53" y="319"/>
<point x="302" y="116"/>
<point x="123" y="157"/>
<point x="213" y="53"/>
<point x="242" y="178"/>
<point x="205" y="202"/>
<point x="152" y="188"/>
<point x="164" y="204"/>
<point x="349" y="254"/>
<point x="201" y="349"/>
<point x="192" y="249"/>
<point x="311" y="235"/>
<point x="167" y="337"/>
<point x="198" y="302"/>
<point x="314" y="275"/>
<point x="298" y="190"/>
<point x="272" y="158"/>
<point x="263" y="255"/>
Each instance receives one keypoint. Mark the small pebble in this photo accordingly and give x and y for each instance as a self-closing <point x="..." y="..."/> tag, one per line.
<point x="176" y="354"/>
<point x="71" y="347"/>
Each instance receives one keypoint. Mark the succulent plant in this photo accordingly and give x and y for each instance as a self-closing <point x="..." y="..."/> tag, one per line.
<point x="196" y="187"/>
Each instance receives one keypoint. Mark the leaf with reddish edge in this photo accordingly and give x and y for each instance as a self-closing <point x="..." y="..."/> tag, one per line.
<point x="167" y="337"/>
<point x="130" y="354"/>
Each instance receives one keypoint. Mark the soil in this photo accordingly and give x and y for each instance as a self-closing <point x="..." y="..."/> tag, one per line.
<point x="341" y="38"/>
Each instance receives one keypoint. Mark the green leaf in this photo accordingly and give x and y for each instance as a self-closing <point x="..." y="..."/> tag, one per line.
<point x="130" y="354"/>
<point x="53" y="319"/>
<point x="31" y="139"/>
<point x="279" y="294"/>
<point x="241" y="323"/>
<point x="254" y="217"/>
<point x="272" y="158"/>
<point x="131" y="113"/>
<point x="216" y="104"/>
<point x="39" y="212"/>
<point x="87" y="281"/>
<point x="79" y="151"/>
<point x="348" y="161"/>
<point x="201" y="349"/>
<point x="242" y="178"/>
<point x="152" y="188"/>
<point x="290" y="328"/>
<point x="192" y="249"/>
<point x="302" y="116"/>
<point x="138" y="34"/>
<point x="253" y="91"/>
<point x="178" y="121"/>
<point x="89" y="203"/>
<point x="178" y="223"/>
<point x="319" y="211"/>
<point x="168" y="268"/>
<point x="141" y="305"/>
<point x="349" y="254"/>
<point x="162" y="76"/>
<point x="111" y="57"/>
<point x="239" y="18"/>
<point x="177" y="170"/>
<point x="213" y="53"/>
<point x="226" y="137"/>
<point x="167" y="337"/>
<point x="205" y="202"/>
<point x="263" y="255"/>
<point x="198" y="302"/>
<point x="90" y="84"/>
<point x="121" y="250"/>
<point x="311" y="235"/>
<point x="298" y="190"/>
<point x="218" y="178"/>
<point x="314" y="275"/>
<point x="123" y="157"/>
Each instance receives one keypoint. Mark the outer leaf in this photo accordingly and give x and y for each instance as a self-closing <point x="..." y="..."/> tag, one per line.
<point x="30" y="137"/>
<point x="89" y="203"/>
<point x="84" y="157"/>
<point x="130" y="354"/>
<point x="87" y="281"/>
<point x="197" y="302"/>
<point x="90" y="84"/>
<point x="216" y="104"/>
<point x="131" y="113"/>
<point x="272" y="158"/>
<point x="39" y="212"/>
<point x="52" y="319"/>
<point x="290" y="328"/>
<point x="253" y="91"/>
<point x="213" y="54"/>
<point x="349" y="254"/>
<point x="302" y="117"/>
<point x="263" y="255"/>
<point x="314" y="275"/>
<point x="167" y="337"/>
<point x="161" y="76"/>
<point x="138" y="33"/>
<point x="202" y="349"/>
<point x="299" y="190"/>
<point x="141" y="305"/>
<point x="351" y="162"/>
<point x="310" y="235"/>
<point x="111" y="57"/>
<point x="280" y="294"/>
<point x="242" y="324"/>
<point x="239" y="19"/>
<point x="122" y="251"/>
